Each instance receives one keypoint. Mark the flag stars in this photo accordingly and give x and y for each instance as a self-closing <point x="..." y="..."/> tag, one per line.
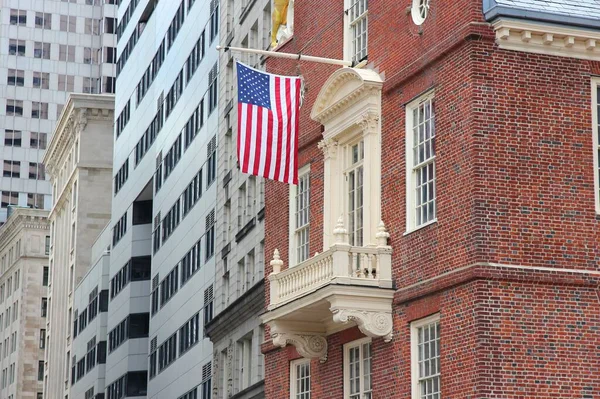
<point x="253" y="86"/>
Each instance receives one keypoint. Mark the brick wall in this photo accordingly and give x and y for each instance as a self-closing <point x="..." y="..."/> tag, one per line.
<point x="514" y="187"/>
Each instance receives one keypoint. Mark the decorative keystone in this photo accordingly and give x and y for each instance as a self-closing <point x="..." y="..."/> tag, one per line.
<point x="382" y="235"/>
<point x="339" y="232"/>
<point x="276" y="263"/>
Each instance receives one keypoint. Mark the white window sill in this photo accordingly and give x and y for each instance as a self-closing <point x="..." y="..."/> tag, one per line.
<point x="407" y="232"/>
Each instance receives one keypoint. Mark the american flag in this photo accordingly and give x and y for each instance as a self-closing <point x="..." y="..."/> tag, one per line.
<point x="268" y="109"/>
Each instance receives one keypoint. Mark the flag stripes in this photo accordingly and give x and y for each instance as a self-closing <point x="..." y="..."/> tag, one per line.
<point x="268" y="127"/>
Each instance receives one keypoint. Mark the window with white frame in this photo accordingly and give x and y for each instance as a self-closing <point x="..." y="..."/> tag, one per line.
<point x="420" y="162"/>
<point x="596" y="138"/>
<point x="357" y="29"/>
<point x="354" y="190"/>
<point x="357" y="369"/>
<point x="425" y="358"/>
<point x="300" y="217"/>
<point x="300" y="379"/>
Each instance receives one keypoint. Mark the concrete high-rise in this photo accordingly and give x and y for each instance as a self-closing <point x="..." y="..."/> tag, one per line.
<point x="163" y="209"/>
<point x="47" y="49"/>
<point x="236" y="331"/>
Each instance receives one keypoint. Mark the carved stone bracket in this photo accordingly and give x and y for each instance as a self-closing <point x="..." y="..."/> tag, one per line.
<point x="372" y="324"/>
<point x="308" y="345"/>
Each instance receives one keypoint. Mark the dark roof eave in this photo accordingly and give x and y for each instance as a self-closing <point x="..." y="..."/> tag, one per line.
<point x="497" y="11"/>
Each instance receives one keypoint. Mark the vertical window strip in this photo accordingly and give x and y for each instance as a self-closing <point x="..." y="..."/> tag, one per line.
<point x="302" y="218"/>
<point x="596" y="138"/>
<point x="358" y="24"/>
<point x="354" y="175"/>
<point x="424" y="161"/>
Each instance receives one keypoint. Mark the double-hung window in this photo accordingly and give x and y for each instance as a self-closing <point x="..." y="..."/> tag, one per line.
<point x="425" y="358"/>
<point x="300" y="217"/>
<point x="300" y="379"/>
<point x="420" y="163"/>
<point x="357" y="369"/>
<point x="357" y="29"/>
<point x="596" y="138"/>
<point x="354" y="191"/>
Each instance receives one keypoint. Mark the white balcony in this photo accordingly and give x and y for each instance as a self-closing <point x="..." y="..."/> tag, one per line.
<point x="342" y="287"/>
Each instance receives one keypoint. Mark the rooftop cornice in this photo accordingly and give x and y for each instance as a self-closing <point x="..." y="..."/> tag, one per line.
<point x="77" y="111"/>
<point x="549" y="39"/>
<point x="22" y="218"/>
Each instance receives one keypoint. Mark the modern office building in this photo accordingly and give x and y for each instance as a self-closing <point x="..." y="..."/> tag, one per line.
<point x="78" y="160"/>
<point x="88" y="350"/>
<point x="47" y="49"/>
<point x="236" y="331"/>
<point x="24" y="246"/>
<point x="452" y="222"/>
<point x="165" y="159"/>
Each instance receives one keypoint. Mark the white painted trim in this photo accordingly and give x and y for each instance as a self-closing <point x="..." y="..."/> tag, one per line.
<point x="408" y="161"/>
<point x="549" y="39"/>
<point x="596" y="146"/>
<point x="414" y="352"/>
<point x="292" y="216"/>
<point x="293" y="375"/>
<point x="359" y="343"/>
<point x="347" y="39"/>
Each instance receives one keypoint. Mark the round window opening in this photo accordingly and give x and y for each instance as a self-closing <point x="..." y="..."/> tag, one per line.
<point x="419" y="11"/>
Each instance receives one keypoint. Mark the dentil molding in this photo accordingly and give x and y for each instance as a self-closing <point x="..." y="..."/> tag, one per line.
<point x="547" y="39"/>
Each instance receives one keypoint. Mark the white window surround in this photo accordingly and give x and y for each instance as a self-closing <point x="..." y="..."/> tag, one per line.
<point x="294" y="379"/>
<point x="419" y="11"/>
<point x="354" y="16"/>
<point x="350" y="345"/>
<point x="293" y="257"/>
<point x="414" y="351"/>
<point x="596" y="138"/>
<point x="411" y="222"/>
<point x="349" y="108"/>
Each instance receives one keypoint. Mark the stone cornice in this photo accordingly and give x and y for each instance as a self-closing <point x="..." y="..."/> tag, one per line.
<point x="22" y="218"/>
<point x="79" y="109"/>
<point x="367" y="83"/>
<point x="549" y="39"/>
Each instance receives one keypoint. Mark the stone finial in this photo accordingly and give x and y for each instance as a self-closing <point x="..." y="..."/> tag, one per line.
<point x="276" y="263"/>
<point x="382" y="234"/>
<point x="339" y="232"/>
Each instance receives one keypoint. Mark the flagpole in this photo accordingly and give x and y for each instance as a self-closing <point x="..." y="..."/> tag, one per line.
<point x="299" y="57"/>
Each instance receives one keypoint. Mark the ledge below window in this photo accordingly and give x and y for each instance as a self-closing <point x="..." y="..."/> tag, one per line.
<point x="407" y="232"/>
<point x="245" y="230"/>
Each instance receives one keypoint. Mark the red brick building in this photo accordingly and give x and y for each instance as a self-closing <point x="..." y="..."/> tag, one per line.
<point x="470" y="128"/>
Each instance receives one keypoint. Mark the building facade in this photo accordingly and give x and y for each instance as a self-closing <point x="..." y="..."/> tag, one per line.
<point x="23" y="302"/>
<point x="48" y="49"/>
<point x="453" y="204"/>
<point x="78" y="160"/>
<point x="164" y="196"/>
<point x="90" y="338"/>
<point x="236" y="331"/>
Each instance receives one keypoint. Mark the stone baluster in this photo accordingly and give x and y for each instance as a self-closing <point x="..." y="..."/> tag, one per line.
<point x="384" y="259"/>
<point x="341" y="248"/>
<point x="276" y="264"/>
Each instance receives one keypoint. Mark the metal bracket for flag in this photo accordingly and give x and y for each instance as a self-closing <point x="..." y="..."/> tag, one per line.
<point x="298" y="57"/>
